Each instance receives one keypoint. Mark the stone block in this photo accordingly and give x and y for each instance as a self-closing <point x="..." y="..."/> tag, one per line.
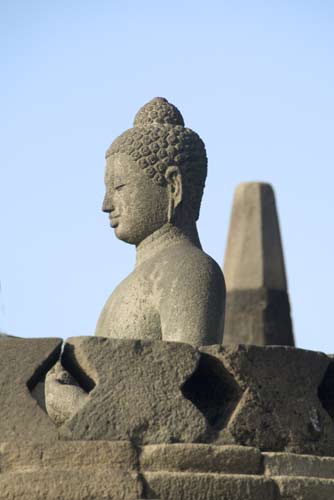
<point x="137" y="393"/>
<point x="303" y="488"/>
<point x="67" y="484"/>
<point x="257" y="302"/>
<point x="201" y="458"/>
<point x="326" y="390"/>
<point x="18" y="457"/>
<point x="190" y="486"/>
<point x="23" y="363"/>
<point x="258" y="317"/>
<point x="279" y="409"/>
<point x="290" y="464"/>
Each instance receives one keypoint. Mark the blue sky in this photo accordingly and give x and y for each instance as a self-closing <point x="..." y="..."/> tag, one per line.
<point x="254" y="79"/>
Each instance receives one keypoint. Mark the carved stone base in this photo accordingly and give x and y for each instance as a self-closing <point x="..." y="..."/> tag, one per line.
<point x="107" y="470"/>
<point x="277" y="399"/>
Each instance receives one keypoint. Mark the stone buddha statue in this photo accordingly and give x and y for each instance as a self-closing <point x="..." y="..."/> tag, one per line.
<point x="155" y="176"/>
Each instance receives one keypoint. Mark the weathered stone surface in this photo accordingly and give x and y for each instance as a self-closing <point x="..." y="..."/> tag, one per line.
<point x="214" y="392"/>
<point x="326" y="390"/>
<point x="188" y="486"/>
<point x="257" y="303"/>
<point x="258" y="317"/>
<point x="87" y="484"/>
<point x="290" y="464"/>
<point x="138" y="391"/>
<point x="254" y="255"/>
<point x="279" y="409"/>
<point x="23" y="363"/>
<point x="62" y="404"/>
<point x="304" y="488"/>
<point x="201" y="458"/>
<point x="19" y="457"/>
<point x="155" y="176"/>
<point x="38" y="393"/>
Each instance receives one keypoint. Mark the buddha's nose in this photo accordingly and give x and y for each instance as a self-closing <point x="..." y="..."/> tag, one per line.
<point x="107" y="205"/>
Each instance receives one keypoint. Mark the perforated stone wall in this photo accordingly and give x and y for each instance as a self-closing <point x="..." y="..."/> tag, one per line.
<point x="178" y="422"/>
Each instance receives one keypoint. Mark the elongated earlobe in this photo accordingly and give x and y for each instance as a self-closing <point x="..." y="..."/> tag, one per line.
<point x="175" y="192"/>
<point x="170" y="213"/>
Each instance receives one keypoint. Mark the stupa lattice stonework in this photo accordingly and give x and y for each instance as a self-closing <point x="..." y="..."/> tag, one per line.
<point x="154" y="406"/>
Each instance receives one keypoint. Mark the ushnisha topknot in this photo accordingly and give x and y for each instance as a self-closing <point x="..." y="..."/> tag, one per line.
<point x="158" y="112"/>
<point x="158" y="140"/>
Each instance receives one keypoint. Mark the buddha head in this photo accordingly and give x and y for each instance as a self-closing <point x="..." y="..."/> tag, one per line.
<point x="155" y="174"/>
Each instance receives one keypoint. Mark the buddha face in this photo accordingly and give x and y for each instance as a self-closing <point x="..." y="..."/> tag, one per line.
<point x="136" y="205"/>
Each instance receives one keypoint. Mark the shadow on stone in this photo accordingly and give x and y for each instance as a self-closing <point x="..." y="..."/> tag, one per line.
<point x="71" y="364"/>
<point x="326" y="390"/>
<point x="36" y="383"/>
<point x="213" y="391"/>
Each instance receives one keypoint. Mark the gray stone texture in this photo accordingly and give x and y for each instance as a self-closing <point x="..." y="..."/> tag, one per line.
<point x="188" y="486"/>
<point x="23" y="363"/>
<point x="96" y="470"/>
<point x="258" y="317"/>
<point x="69" y="471"/>
<point x="279" y="408"/>
<point x="326" y="390"/>
<point x="154" y="178"/>
<point x="303" y="488"/>
<point x="289" y="464"/>
<point x="19" y="456"/>
<point x="62" y="404"/>
<point x="201" y="458"/>
<point x="70" y="484"/>
<point x="254" y="256"/>
<point x="138" y="391"/>
<point x="166" y="392"/>
<point x="167" y="420"/>
<point x="155" y="175"/>
<point x="257" y="302"/>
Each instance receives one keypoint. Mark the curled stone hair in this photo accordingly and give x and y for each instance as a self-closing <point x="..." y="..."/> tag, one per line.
<point x="158" y="140"/>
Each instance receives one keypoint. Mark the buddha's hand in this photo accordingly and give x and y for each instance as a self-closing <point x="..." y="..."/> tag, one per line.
<point x="63" y="395"/>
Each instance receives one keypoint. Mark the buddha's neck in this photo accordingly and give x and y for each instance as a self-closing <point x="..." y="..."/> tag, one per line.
<point x="167" y="235"/>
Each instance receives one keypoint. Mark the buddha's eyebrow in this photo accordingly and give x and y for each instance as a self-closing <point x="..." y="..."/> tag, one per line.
<point x="118" y="179"/>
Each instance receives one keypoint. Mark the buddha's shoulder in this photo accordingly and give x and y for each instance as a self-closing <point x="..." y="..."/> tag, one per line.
<point x="190" y="261"/>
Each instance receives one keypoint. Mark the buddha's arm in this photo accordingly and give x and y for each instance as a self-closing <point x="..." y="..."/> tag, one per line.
<point x="192" y="310"/>
<point x="102" y="327"/>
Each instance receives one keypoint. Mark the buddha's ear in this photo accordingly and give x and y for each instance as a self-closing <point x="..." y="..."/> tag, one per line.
<point x="175" y="192"/>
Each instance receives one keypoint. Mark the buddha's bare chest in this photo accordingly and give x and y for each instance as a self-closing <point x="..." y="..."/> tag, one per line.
<point x="132" y="311"/>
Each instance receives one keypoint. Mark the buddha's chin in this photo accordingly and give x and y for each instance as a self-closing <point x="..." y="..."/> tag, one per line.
<point x="122" y="234"/>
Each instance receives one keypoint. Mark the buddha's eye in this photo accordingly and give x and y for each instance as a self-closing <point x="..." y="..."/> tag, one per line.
<point x="119" y="187"/>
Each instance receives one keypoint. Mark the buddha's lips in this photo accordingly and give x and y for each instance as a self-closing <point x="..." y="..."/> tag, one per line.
<point x="114" y="221"/>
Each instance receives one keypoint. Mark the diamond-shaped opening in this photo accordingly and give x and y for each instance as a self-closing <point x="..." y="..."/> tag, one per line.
<point x="36" y="383"/>
<point x="77" y="376"/>
<point x="71" y="364"/>
<point x="213" y="391"/>
<point x="326" y="390"/>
